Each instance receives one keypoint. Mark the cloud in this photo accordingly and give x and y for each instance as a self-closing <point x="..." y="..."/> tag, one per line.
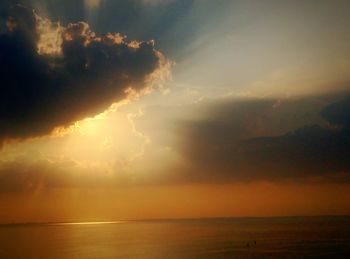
<point x="271" y="140"/>
<point x="28" y="174"/>
<point x="338" y="113"/>
<point x="54" y="75"/>
<point x="20" y="175"/>
<point x="234" y="141"/>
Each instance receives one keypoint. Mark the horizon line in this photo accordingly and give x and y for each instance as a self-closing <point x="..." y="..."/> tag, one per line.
<point x="67" y="223"/>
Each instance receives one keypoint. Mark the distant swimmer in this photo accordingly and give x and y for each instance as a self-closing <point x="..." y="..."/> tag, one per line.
<point x="254" y="242"/>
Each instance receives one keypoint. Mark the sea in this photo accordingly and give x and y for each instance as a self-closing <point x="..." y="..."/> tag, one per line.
<point x="280" y="237"/>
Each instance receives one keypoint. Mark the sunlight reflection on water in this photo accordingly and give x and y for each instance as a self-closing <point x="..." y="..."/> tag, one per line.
<point x="86" y="223"/>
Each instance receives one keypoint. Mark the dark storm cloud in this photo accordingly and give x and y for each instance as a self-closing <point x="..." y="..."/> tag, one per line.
<point x="48" y="82"/>
<point x="238" y="142"/>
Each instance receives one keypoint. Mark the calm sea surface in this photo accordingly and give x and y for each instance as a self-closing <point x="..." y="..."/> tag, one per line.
<point x="296" y="237"/>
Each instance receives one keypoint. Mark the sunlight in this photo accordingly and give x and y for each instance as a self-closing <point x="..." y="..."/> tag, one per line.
<point x="88" y="223"/>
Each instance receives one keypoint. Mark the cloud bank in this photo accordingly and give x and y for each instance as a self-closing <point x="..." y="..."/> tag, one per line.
<point x="53" y="75"/>
<point x="238" y="141"/>
<point x="305" y="139"/>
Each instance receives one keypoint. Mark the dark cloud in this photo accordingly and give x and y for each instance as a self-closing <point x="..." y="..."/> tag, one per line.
<point x="338" y="113"/>
<point x="238" y="142"/>
<point x="52" y="75"/>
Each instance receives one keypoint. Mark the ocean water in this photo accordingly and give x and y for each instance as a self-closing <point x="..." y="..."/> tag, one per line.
<point x="293" y="237"/>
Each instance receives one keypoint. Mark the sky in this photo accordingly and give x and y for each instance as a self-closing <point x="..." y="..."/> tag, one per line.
<point x="141" y="109"/>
